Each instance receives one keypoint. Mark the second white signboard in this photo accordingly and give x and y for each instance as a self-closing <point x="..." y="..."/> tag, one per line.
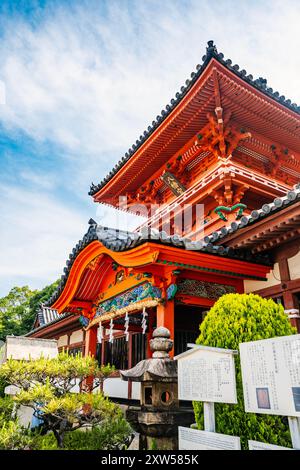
<point x="271" y="375"/>
<point x="255" y="445"/>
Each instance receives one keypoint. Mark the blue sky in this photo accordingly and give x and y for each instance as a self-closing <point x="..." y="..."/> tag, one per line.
<point x="83" y="79"/>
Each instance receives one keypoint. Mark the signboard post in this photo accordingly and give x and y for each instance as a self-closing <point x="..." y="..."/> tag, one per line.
<point x="209" y="416"/>
<point x="294" y="425"/>
<point x="271" y="379"/>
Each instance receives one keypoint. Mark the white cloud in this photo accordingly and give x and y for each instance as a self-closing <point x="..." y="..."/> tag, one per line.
<point x="37" y="234"/>
<point x="38" y="180"/>
<point x="93" y="83"/>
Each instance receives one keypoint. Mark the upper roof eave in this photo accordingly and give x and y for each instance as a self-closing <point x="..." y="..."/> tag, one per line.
<point x="211" y="53"/>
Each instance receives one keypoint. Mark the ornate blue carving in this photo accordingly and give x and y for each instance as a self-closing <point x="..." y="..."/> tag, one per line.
<point x="141" y="292"/>
<point x="84" y="321"/>
<point x="171" y="291"/>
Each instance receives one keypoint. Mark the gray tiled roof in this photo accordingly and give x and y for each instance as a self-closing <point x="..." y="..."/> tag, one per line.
<point x="121" y="240"/>
<point x="47" y="315"/>
<point x="58" y="317"/>
<point x="211" y="52"/>
<point x="279" y="203"/>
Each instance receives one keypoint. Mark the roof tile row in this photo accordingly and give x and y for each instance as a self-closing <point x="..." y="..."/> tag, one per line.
<point x="121" y="240"/>
<point x="278" y="203"/>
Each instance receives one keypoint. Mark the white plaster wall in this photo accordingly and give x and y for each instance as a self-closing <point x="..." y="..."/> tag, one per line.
<point x="62" y="341"/>
<point x="76" y="388"/>
<point x="115" y="387"/>
<point x="294" y="266"/>
<point x="136" y="391"/>
<point x="76" y="337"/>
<point x="22" y="347"/>
<point x="25" y="415"/>
<point x="273" y="279"/>
<point x="118" y="388"/>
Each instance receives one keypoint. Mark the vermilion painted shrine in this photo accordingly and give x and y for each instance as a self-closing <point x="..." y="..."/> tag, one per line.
<point x="226" y="141"/>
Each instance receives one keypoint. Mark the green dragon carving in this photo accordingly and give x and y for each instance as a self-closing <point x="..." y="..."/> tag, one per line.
<point x="236" y="207"/>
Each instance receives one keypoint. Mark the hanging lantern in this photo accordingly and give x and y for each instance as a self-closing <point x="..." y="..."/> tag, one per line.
<point x="100" y="333"/>
<point x="111" y="336"/>
<point x="126" y="324"/>
<point x="144" y="320"/>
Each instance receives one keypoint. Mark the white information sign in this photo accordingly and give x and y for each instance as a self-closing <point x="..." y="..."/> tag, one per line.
<point x="255" y="445"/>
<point x="271" y="375"/>
<point x="207" y="374"/>
<point x="193" y="439"/>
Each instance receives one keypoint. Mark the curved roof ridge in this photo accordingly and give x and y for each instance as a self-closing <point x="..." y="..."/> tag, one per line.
<point x="121" y="240"/>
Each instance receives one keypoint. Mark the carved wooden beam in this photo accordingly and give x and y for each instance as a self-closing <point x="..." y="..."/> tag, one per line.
<point x="278" y="158"/>
<point x="219" y="136"/>
<point x="239" y="193"/>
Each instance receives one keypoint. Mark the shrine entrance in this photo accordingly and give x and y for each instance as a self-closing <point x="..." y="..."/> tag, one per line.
<point x="187" y="319"/>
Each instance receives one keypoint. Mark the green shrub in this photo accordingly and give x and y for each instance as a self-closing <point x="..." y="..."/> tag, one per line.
<point x="46" y="385"/>
<point x="3" y="384"/>
<point x="13" y="436"/>
<point x="234" y="319"/>
<point x="44" y="442"/>
<point x="111" y="435"/>
<point x="7" y="406"/>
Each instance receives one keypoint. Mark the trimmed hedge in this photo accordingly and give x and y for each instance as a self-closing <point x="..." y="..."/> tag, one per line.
<point x="234" y="319"/>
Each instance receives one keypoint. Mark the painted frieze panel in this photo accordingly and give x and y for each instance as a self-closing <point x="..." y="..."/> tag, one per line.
<point x="208" y="290"/>
<point x="132" y="296"/>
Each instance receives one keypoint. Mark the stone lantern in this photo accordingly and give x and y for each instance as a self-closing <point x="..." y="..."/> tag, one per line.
<point x="159" y="415"/>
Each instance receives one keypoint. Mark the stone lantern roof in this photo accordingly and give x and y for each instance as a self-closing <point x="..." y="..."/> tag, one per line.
<point x="160" y="367"/>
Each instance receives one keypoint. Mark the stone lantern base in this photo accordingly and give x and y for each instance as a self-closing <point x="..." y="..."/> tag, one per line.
<point x="158" y="429"/>
<point x="159" y="415"/>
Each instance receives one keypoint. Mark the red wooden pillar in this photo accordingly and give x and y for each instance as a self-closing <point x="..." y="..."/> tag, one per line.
<point x="103" y="352"/>
<point x="294" y="318"/>
<point x="69" y="342"/>
<point x="289" y="300"/>
<point x="91" y="342"/>
<point x="165" y="317"/>
<point x="83" y="343"/>
<point x="149" y="334"/>
<point x="290" y="304"/>
<point x="130" y="363"/>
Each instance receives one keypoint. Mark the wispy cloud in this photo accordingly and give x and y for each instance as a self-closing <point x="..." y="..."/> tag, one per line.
<point x="37" y="233"/>
<point x="84" y="79"/>
<point x="92" y="79"/>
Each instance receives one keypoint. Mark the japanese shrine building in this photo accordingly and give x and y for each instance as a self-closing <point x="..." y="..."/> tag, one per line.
<point x="226" y="143"/>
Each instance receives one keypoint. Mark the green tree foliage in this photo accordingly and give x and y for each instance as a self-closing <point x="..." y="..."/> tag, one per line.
<point x="13" y="437"/>
<point x="46" y="386"/>
<point x="39" y="297"/>
<point x="234" y="319"/>
<point x="19" y="308"/>
<point x="7" y="406"/>
<point x="13" y="309"/>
